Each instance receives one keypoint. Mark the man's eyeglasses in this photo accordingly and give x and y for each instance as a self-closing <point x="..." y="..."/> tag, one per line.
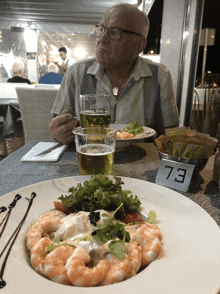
<point x="114" y="33"/>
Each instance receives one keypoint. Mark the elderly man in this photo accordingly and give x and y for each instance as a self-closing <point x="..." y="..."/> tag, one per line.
<point x="51" y="77"/>
<point x="18" y="73"/>
<point x="140" y="89"/>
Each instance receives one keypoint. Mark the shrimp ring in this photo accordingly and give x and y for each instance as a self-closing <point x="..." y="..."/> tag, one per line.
<point x="152" y="228"/>
<point x="148" y="236"/>
<point x="150" y="251"/>
<point x="54" y="264"/>
<point x="47" y="224"/>
<point x="58" y="213"/>
<point x="83" y="276"/>
<point x="38" y="254"/>
<point x="135" y="255"/>
<point x="118" y="272"/>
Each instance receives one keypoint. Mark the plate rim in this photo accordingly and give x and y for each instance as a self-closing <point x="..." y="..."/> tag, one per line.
<point x="142" y="136"/>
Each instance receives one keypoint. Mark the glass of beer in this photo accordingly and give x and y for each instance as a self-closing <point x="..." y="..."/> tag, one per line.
<point x="95" y="148"/>
<point x="95" y="110"/>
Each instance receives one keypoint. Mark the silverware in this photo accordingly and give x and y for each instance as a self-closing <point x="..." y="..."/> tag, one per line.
<point x="49" y="149"/>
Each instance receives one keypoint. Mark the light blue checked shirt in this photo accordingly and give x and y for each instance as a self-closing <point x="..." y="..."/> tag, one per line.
<point x="147" y="97"/>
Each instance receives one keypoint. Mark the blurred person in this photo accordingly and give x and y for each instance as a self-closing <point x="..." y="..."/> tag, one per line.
<point x="140" y="89"/>
<point x="67" y="62"/>
<point x="51" y="77"/>
<point x="18" y="73"/>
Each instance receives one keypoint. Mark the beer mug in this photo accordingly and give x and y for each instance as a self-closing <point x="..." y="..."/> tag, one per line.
<point x="95" y="148"/>
<point x="95" y="110"/>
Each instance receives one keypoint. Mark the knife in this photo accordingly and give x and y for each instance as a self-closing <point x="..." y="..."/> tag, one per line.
<point x="49" y="149"/>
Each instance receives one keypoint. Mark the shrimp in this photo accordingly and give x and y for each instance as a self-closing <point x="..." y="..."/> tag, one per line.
<point x="118" y="271"/>
<point x="58" y="213"/>
<point x="83" y="276"/>
<point x="54" y="264"/>
<point x="152" y="228"/>
<point x="135" y="255"/>
<point x="38" y="254"/>
<point x="126" y="268"/>
<point x="148" y="236"/>
<point x="143" y="232"/>
<point x="99" y="253"/>
<point x="150" y="251"/>
<point x="45" y="225"/>
<point x="124" y="135"/>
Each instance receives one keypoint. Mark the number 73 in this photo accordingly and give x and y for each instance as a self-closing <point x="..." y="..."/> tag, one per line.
<point x="181" y="173"/>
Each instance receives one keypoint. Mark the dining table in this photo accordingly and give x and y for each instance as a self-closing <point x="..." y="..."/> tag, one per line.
<point x="189" y="221"/>
<point x="139" y="161"/>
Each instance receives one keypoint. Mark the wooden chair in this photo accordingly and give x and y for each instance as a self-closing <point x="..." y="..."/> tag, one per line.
<point x="35" y="106"/>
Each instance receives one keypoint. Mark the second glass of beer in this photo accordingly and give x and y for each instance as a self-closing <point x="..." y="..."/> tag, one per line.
<point x="95" y="148"/>
<point x="95" y="110"/>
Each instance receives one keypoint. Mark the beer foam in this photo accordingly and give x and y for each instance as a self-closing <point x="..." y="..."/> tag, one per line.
<point x="95" y="149"/>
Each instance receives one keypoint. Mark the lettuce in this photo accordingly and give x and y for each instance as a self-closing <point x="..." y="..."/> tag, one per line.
<point x="100" y="192"/>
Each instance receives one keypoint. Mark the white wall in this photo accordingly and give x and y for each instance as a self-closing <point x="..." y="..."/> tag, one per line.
<point x="177" y="37"/>
<point x="171" y="36"/>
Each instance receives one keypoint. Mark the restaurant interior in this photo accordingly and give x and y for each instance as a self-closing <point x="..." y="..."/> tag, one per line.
<point x="177" y="176"/>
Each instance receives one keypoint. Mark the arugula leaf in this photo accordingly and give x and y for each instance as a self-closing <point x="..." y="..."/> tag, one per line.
<point x="152" y="217"/>
<point x="110" y="218"/>
<point x="120" y="232"/>
<point x="111" y="230"/>
<point x="117" y="248"/>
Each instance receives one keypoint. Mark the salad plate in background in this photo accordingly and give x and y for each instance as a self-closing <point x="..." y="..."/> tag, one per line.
<point x="121" y="144"/>
<point x="190" y="262"/>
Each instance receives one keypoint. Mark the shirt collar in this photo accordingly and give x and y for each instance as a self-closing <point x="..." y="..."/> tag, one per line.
<point x="96" y="70"/>
<point x="141" y="69"/>
<point x="65" y="61"/>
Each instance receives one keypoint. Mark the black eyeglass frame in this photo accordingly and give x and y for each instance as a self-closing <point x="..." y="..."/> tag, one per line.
<point x="120" y="30"/>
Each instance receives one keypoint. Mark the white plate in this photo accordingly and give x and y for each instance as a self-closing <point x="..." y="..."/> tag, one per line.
<point x="191" y="252"/>
<point x="121" y="144"/>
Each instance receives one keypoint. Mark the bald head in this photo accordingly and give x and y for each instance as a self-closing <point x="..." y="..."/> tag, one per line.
<point x="133" y="19"/>
<point x="52" y="68"/>
<point x="114" y="55"/>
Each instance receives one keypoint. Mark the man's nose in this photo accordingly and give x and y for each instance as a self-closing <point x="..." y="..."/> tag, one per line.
<point x="104" y="37"/>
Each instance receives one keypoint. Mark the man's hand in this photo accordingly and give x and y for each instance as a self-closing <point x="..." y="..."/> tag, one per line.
<point x="62" y="127"/>
<point x="62" y="66"/>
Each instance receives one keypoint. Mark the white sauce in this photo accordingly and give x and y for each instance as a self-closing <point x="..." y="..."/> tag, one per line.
<point x="75" y="226"/>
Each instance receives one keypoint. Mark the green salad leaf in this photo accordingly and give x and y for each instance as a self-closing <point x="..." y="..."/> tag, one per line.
<point x="49" y="248"/>
<point x="152" y="217"/>
<point x="117" y="248"/>
<point x="134" y="128"/>
<point x="110" y="230"/>
<point x="100" y="192"/>
<point x="115" y="231"/>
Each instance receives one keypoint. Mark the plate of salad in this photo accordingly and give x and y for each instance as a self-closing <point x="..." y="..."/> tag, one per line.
<point x="130" y="133"/>
<point x="190" y="259"/>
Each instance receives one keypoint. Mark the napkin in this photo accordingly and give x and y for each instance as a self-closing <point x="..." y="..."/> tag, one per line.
<point x="54" y="155"/>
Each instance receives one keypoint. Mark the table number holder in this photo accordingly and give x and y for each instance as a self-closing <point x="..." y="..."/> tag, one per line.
<point x="175" y="174"/>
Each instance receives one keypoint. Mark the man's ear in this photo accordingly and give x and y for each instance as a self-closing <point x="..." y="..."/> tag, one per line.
<point x="141" y="45"/>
